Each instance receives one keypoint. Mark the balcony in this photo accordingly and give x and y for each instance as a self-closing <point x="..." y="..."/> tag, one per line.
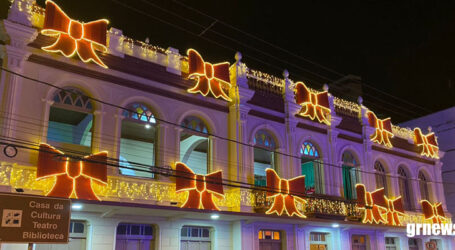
<point x="162" y="192"/>
<point x="316" y="206"/>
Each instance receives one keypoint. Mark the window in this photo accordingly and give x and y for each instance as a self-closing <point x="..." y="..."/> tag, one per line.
<point x="437" y="243"/>
<point x="77" y="238"/>
<point x="264" y="155"/>
<point x="269" y="239"/>
<point x="194" y="145"/>
<point x="137" y="141"/>
<point x="391" y="243"/>
<point x="195" y="238"/>
<point x="71" y="120"/>
<point x="413" y="243"/>
<point x="350" y="175"/>
<point x="380" y="176"/>
<point x="423" y="186"/>
<point x="134" y="236"/>
<point x="359" y="242"/>
<point x="312" y="168"/>
<point x="405" y="188"/>
<point x="318" y="241"/>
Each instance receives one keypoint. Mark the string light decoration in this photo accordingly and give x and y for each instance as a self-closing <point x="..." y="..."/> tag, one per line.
<point x="263" y="77"/>
<point x="373" y="203"/>
<point x="394" y="211"/>
<point x="74" y="36"/>
<point x="347" y="107"/>
<point x="428" y="143"/>
<point x="383" y="131"/>
<point x="138" y="190"/>
<point x="210" y="77"/>
<point x="433" y="212"/>
<point x="285" y="193"/>
<point x="73" y="178"/>
<point x="314" y="105"/>
<point x="200" y="188"/>
<point x="404" y="133"/>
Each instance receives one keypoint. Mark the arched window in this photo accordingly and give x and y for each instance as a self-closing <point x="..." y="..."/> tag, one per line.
<point x="264" y="155"/>
<point x="405" y="188"/>
<point x="424" y="186"/>
<point x="312" y="168"/>
<point x="381" y="177"/>
<point x="71" y="120"/>
<point x="350" y="175"/>
<point x="138" y="141"/>
<point x="195" y="144"/>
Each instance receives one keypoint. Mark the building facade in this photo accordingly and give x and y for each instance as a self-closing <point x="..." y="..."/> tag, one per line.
<point x="442" y="124"/>
<point x="155" y="112"/>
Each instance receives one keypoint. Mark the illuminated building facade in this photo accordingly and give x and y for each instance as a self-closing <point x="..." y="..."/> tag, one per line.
<point x="187" y="170"/>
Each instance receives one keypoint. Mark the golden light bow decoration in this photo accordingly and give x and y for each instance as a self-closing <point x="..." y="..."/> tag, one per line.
<point x="73" y="178"/>
<point x="314" y="105"/>
<point x="394" y="211"/>
<point x="433" y="212"/>
<point x="74" y="36"/>
<point x="374" y="204"/>
<point x="428" y="143"/>
<point x="383" y="131"/>
<point x="210" y="77"/>
<point x="285" y="193"/>
<point x="200" y="188"/>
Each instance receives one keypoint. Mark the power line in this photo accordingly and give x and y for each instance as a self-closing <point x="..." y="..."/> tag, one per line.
<point x="315" y="160"/>
<point x="258" y="60"/>
<point x="156" y="118"/>
<point x="294" y="54"/>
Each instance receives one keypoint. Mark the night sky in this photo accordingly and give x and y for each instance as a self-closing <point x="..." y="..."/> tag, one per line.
<point x="404" y="48"/>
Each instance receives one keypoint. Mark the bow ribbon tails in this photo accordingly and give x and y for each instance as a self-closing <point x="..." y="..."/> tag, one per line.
<point x="394" y="210"/>
<point x="285" y="193"/>
<point x="73" y="178"/>
<point x="374" y="204"/>
<point x="428" y="142"/>
<point x="433" y="212"/>
<point x="383" y="131"/>
<point x="314" y="105"/>
<point x="73" y="36"/>
<point x="213" y="78"/>
<point x="200" y="188"/>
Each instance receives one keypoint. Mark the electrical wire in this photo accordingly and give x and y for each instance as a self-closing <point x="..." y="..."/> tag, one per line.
<point x="411" y="111"/>
<point x="291" y="53"/>
<point x="315" y="160"/>
<point x="158" y="119"/>
<point x="393" y="110"/>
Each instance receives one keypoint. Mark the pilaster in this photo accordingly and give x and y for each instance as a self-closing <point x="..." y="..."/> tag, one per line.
<point x="333" y="174"/>
<point x="20" y="33"/>
<point x="367" y="131"/>
<point x="238" y="114"/>
<point x="291" y="109"/>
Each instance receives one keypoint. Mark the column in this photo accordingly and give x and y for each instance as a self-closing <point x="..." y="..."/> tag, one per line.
<point x="333" y="172"/>
<point x="290" y="164"/>
<point x="18" y="27"/>
<point x="239" y="154"/>
<point x="367" y="131"/>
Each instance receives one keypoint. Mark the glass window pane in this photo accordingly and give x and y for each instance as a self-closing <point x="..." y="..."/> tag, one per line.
<point x="78" y="227"/>
<point x="148" y="230"/>
<point x="135" y="230"/>
<point x="184" y="232"/>
<point x="205" y="233"/>
<point x="121" y="229"/>
<point x="194" y="232"/>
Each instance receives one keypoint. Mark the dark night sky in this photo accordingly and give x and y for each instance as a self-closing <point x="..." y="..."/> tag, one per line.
<point x="405" y="48"/>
